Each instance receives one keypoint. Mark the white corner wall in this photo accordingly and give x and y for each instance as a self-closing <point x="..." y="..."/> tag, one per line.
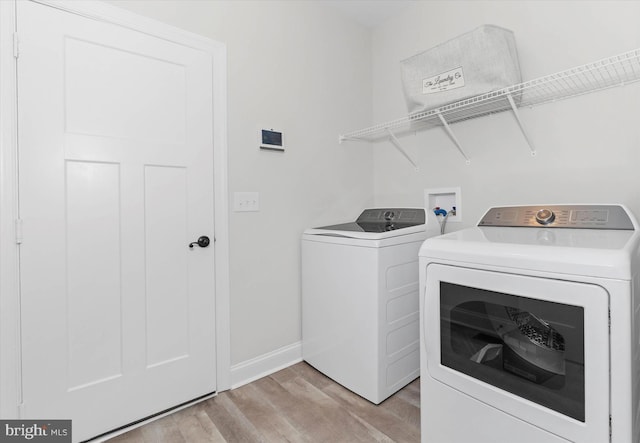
<point x="302" y="68"/>
<point x="588" y="147"/>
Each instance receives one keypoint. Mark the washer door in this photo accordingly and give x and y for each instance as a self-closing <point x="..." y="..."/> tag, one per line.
<point x="535" y="348"/>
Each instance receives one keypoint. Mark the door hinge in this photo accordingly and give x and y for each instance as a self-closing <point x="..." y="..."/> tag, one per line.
<point x="16" y="47"/>
<point x="19" y="231"/>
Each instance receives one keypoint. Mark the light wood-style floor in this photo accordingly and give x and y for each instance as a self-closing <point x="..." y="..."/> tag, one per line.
<point x="297" y="404"/>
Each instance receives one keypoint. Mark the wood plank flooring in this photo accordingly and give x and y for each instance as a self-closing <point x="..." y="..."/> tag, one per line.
<point x="297" y="404"/>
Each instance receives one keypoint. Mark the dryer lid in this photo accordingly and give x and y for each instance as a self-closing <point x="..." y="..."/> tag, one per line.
<point x="520" y="242"/>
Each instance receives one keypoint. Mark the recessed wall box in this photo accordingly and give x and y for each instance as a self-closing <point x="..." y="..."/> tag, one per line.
<point x="447" y="199"/>
<point x="270" y="139"/>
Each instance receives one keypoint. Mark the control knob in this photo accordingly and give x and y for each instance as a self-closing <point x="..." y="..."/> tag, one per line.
<point x="388" y="215"/>
<point x="545" y="216"/>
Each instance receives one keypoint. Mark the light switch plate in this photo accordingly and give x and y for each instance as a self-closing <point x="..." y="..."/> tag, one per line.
<point x="246" y="201"/>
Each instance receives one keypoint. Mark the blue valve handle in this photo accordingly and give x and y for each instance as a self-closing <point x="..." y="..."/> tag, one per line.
<point x="439" y="211"/>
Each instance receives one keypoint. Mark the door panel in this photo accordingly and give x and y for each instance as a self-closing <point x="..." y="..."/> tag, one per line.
<point x="147" y="104"/>
<point x="93" y="280"/>
<point x="116" y="179"/>
<point x="167" y="280"/>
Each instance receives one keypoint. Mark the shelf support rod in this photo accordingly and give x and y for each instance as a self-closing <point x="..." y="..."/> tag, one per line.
<point x="396" y="143"/>
<point x="450" y="133"/>
<point x="346" y="138"/>
<point x="514" y="108"/>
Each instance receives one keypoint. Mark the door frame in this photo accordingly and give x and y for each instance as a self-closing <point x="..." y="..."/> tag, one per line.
<point x="10" y="344"/>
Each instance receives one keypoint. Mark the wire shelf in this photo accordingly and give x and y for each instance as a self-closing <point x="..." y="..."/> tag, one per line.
<point x="606" y="73"/>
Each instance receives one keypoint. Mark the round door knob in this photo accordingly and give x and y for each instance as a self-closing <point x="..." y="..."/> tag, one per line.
<point x="203" y="242"/>
<point x="545" y="216"/>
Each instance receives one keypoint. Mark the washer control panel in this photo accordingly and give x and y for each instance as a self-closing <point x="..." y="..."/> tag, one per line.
<point x="409" y="216"/>
<point x="560" y="216"/>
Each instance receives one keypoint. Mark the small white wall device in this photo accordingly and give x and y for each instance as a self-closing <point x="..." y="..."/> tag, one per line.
<point x="271" y="140"/>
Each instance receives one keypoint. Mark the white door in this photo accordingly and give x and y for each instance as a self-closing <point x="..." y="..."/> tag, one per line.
<point x="116" y="179"/>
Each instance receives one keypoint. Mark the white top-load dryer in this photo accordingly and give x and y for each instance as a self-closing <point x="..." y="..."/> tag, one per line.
<point x="360" y="321"/>
<point x="530" y="324"/>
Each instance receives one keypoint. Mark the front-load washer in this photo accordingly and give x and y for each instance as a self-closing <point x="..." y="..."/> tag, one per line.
<point x="360" y="321"/>
<point x="530" y="326"/>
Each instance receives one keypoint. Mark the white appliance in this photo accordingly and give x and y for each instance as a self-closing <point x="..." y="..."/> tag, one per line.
<point x="530" y="327"/>
<point x="360" y="320"/>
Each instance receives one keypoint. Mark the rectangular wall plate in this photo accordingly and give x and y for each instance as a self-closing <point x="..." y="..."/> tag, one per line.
<point x="246" y="201"/>
<point x="445" y="198"/>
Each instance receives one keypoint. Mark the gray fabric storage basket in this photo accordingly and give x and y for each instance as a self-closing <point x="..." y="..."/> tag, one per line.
<point x="474" y="63"/>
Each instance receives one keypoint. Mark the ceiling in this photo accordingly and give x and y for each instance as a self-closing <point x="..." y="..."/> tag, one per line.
<point x="369" y="12"/>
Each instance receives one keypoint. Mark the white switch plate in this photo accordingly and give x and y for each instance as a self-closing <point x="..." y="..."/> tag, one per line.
<point x="246" y="201"/>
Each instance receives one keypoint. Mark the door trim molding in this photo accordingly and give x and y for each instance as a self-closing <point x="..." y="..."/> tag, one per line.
<point x="9" y="271"/>
<point x="10" y="382"/>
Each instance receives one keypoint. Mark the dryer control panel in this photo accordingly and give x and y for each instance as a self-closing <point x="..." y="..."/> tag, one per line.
<point x="560" y="216"/>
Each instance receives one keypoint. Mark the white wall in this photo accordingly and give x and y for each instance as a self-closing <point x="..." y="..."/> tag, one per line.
<point x="588" y="147"/>
<point x="304" y="69"/>
<point x="301" y="67"/>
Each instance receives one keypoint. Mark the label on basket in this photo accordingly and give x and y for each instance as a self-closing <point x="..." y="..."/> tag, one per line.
<point x="445" y="81"/>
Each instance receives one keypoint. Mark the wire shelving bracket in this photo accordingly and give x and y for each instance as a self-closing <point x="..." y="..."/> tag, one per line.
<point x="613" y="71"/>
<point x="449" y="132"/>
<point x="395" y="142"/>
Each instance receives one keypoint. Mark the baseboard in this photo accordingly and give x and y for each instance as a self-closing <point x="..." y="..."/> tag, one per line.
<point x="265" y="364"/>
